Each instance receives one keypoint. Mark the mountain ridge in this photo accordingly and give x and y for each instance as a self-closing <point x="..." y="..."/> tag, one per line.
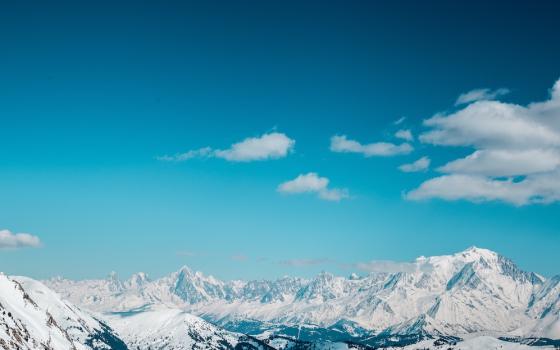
<point x="476" y="290"/>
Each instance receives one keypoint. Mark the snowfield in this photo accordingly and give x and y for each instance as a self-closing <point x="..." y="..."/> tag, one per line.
<point x="169" y="328"/>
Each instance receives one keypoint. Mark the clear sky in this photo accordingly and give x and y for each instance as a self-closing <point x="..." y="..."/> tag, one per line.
<point x="101" y="102"/>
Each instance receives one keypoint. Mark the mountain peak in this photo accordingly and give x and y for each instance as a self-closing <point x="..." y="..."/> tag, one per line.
<point x="138" y="279"/>
<point x="474" y="250"/>
<point x="113" y="276"/>
<point x="185" y="270"/>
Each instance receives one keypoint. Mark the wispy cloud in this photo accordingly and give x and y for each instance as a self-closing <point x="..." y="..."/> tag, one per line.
<point x="480" y="95"/>
<point x="388" y="266"/>
<point x="188" y="254"/>
<point x="313" y="183"/>
<point x="267" y="146"/>
<point x="305" y="262"/>
<point x="421" y="164"/>
<point x="9" y="240"/>
<point x="340" y="143"/>
<point x="181" y="157"/>
<point x="399" y="121"/>
<point x="404" y="134"/>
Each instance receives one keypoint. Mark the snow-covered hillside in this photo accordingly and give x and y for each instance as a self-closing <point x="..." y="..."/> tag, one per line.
<point x="34" y="317"/>
<point x="169" y="328"/>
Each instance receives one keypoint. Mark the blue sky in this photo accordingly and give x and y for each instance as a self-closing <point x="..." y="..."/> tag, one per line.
<point x="92" y="96"/>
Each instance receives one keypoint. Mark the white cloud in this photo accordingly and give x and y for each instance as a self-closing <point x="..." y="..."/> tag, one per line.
<point x="340" y="143"/>
<point x="542" y="188"/>
<point x="313" y="183"/>
<point x="9" y="240"/>
<point x="333" y="194"/>
<point x="491" y="124"/>
<point x="268" y="146"/>
<point x="516" y="156"/>
<point x="500" y="162"/>
<point x="399" y="121"/>
<point x="480" y="95"/>
<point x="388" y="266"/>
<point x="404" y="134"/>
<point x="419" y="165"/>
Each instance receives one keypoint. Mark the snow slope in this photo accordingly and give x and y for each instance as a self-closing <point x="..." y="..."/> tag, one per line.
<point x="34" y="317"/>
<point x="169" y="328"/>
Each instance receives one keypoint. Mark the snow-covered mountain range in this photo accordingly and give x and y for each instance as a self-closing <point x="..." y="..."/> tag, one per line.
<point x="475" y="291"/>
<point x="475" y="299"/>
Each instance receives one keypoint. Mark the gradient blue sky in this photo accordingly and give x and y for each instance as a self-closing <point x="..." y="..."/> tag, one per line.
<point x="91" y="93"/>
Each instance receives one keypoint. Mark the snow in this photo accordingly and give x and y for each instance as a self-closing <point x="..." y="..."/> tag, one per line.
<point x="169" y="328"/>
<point x="475" y="343"/>
<point x="34" y="317"/>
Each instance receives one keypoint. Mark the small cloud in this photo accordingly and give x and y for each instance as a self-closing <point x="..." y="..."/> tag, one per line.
<point x="340" y="143"/>
<point x="404" y="134"/>
<point x="9" y="240"/>
<point x="313" y="183"/>
<point x="305" y="262"/>
<point x="399" y="121"/>
<point x="388" y="266"/>
<point x="239" y="258"/>
<point x="480" y="95"/>
<point x="421" y="164"/>
<point x="272" y="145"/>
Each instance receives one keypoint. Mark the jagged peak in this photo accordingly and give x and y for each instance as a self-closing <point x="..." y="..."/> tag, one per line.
<point x="138" y="279"/>
<point x="140" y="275"/>
<point x="113" y="276"/>
<point x="185" y="270"/>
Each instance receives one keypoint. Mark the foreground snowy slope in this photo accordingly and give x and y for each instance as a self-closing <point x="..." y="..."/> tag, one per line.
<point x="473" y="291"/>
<point x="168" y="328"/>
<point x="34" y="317"/>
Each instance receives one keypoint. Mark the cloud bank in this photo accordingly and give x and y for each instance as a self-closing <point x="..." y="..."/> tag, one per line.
<point x="9" y="240"/>
<point x="267" y="146"/>
<point x="313" y="183"/>
<point x="516" y="157"/>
